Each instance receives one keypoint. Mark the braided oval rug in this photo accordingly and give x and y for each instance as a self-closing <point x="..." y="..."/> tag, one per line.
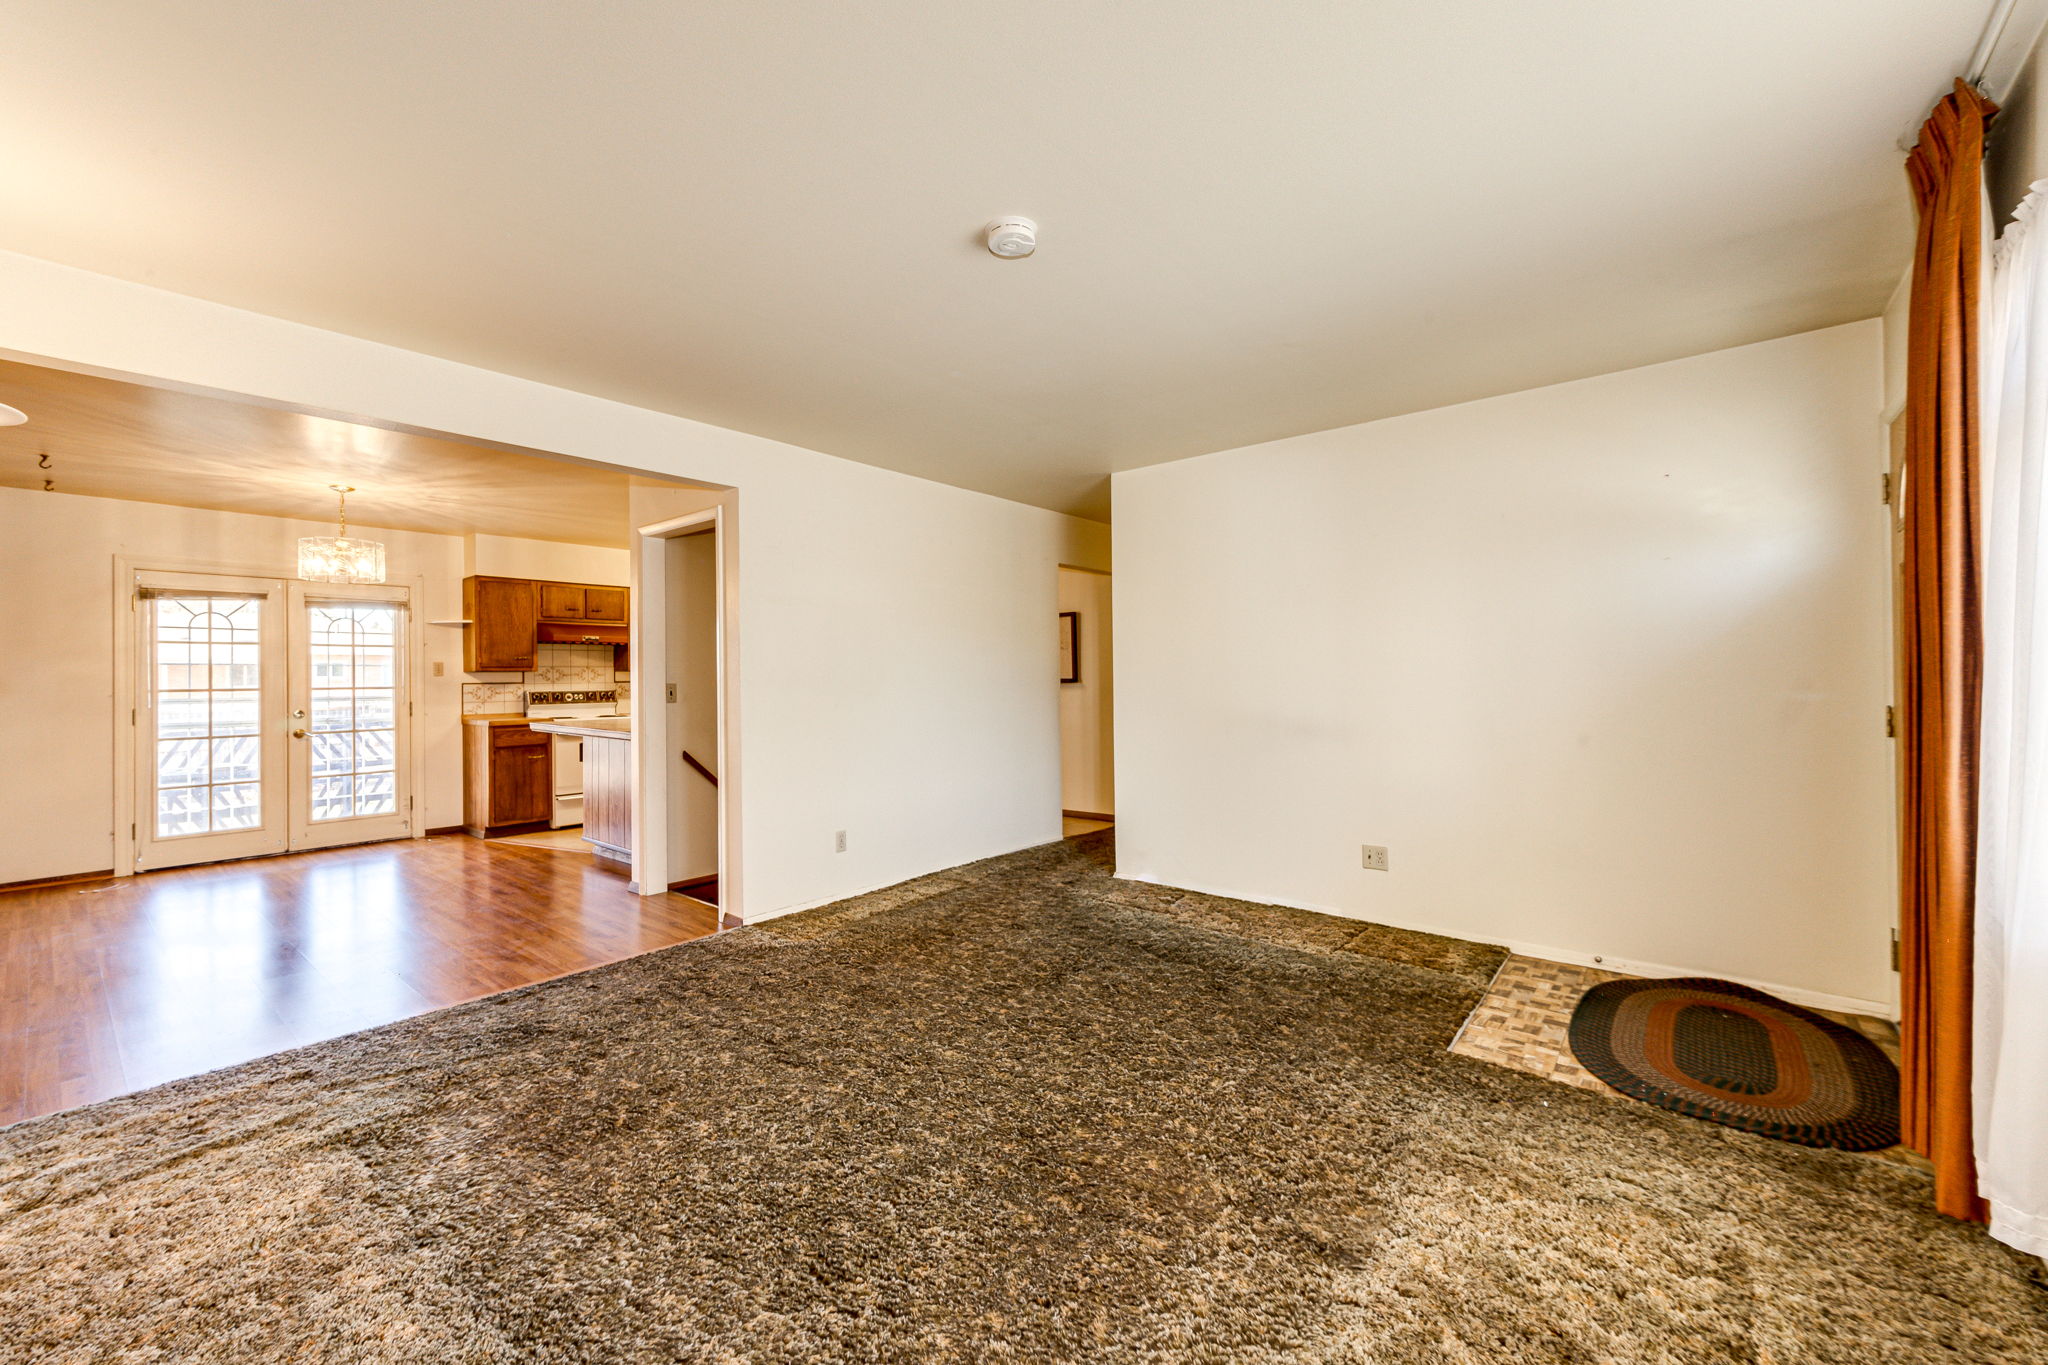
<point x="1732" y="1055"/>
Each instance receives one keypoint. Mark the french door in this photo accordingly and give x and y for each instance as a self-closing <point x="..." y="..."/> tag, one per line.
<point x="271" y="715"/>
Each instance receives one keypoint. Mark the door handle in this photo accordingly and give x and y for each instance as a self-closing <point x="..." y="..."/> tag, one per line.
<point x="298" y="734"/>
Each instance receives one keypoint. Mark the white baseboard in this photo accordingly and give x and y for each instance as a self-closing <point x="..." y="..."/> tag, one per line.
<point x="1577" y="957"/>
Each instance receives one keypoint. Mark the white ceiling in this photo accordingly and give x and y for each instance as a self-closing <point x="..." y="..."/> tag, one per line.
<point x="106" y="438"/>
<point x="1257" y="219"/>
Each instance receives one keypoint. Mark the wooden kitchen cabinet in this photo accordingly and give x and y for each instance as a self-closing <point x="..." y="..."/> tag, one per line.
<point x="508" y="780"/>
<point x="510" y="618"/>
<point x="581" y="602"/>
<point x="561" y="602"/>
<point x="504" y="621"/>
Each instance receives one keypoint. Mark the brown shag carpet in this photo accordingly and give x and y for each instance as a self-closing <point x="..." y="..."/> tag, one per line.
<point x="1018" y="1111"/>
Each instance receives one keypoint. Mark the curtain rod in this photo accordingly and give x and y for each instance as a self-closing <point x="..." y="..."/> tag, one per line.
<point x="1992" y="45"/>
<point x="1994" y="29"/>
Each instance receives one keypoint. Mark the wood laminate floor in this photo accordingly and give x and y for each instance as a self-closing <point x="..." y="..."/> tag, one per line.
<point x="109" y="987"/>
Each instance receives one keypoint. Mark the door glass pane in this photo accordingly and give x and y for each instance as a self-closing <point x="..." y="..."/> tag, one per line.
<point x="354" y="679"/>
<point x="333" y="798"/>
<point x="234" y="806"/>
<point x="207" y="699"/>
<point x="236" y="713"/>
<point x="334" y="708"/>
<point x="181" y="810"/>
<point x="333" y="754"/>
<point x="234" y="758"/>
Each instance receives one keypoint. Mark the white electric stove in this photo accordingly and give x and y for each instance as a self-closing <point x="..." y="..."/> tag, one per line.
<point x="568" y="752"/>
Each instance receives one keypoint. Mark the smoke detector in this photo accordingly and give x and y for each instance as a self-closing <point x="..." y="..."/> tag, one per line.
<point x="1012" y="238"/>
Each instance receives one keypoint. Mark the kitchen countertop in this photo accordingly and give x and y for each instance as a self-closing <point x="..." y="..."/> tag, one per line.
<point x="494" y="720"/>
<point x="589" y="727"/>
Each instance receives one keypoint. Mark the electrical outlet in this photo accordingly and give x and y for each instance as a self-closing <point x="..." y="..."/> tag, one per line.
<point x="1373" y="857"/>
<point x="839" y="842"/>
<point x="671" y="691"/>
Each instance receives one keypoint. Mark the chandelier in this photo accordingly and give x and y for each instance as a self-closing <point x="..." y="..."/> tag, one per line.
<point x="336" y="558"/>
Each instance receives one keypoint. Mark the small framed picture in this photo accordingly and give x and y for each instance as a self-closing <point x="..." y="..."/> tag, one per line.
<point x="1070" y="646"/>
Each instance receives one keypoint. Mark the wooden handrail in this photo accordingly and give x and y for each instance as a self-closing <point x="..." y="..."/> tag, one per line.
<point x="705" y="772"/>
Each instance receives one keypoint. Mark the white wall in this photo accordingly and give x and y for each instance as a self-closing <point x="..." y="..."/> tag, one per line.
<point x="549" y="560"/>
<point x="895" y="665"/>
<point x="1896" y="323"/>
<point x="1603" y="664"/>
<point x="1087" y="725"/>
<point x="58" y="804"/>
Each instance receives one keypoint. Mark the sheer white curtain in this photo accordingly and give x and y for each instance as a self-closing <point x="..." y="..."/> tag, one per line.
<point x="2011" y="1046"/>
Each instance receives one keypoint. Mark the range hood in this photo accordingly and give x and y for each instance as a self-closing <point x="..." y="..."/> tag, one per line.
<point x="580" y="633"/>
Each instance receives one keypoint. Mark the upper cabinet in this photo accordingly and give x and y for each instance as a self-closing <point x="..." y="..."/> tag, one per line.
<point x="511" y="617"/>
<point x="504" y="616"/>
<point x="573" y="602"/>
<point x="561" y="602"/>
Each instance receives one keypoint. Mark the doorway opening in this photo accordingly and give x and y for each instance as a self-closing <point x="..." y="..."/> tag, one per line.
<point x="350" y="801"/>
<point x="1087" y="694"/>
<point x="686" y="831"/>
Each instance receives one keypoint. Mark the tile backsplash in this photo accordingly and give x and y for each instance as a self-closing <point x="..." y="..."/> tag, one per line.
<point x="561" y="668"/>
<point x="568" y="667"/>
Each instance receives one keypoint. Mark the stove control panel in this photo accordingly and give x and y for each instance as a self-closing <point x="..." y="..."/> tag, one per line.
<point x="604" y="698"/>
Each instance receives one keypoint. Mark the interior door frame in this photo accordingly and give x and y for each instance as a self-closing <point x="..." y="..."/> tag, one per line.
<point x="126" y="681"/>
<point x="649" y="625"/>
<point x="1895" y="553"/>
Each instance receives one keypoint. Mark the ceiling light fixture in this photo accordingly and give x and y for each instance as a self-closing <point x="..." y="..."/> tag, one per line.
<point x="1012" y="238"/>
<point x="336" y="558"/>
<point x="11" y="417"/>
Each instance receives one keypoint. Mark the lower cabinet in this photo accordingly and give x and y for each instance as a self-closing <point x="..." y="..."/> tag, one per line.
<point x="508" y="779"/>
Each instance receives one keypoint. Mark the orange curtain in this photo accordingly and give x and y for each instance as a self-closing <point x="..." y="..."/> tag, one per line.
<point x="1941" y="648"/>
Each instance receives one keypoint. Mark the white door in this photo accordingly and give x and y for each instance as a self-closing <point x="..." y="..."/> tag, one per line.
<point x="271" y="715"/>
<point x="210" y="761"/>
<point x="349" y="714"/>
